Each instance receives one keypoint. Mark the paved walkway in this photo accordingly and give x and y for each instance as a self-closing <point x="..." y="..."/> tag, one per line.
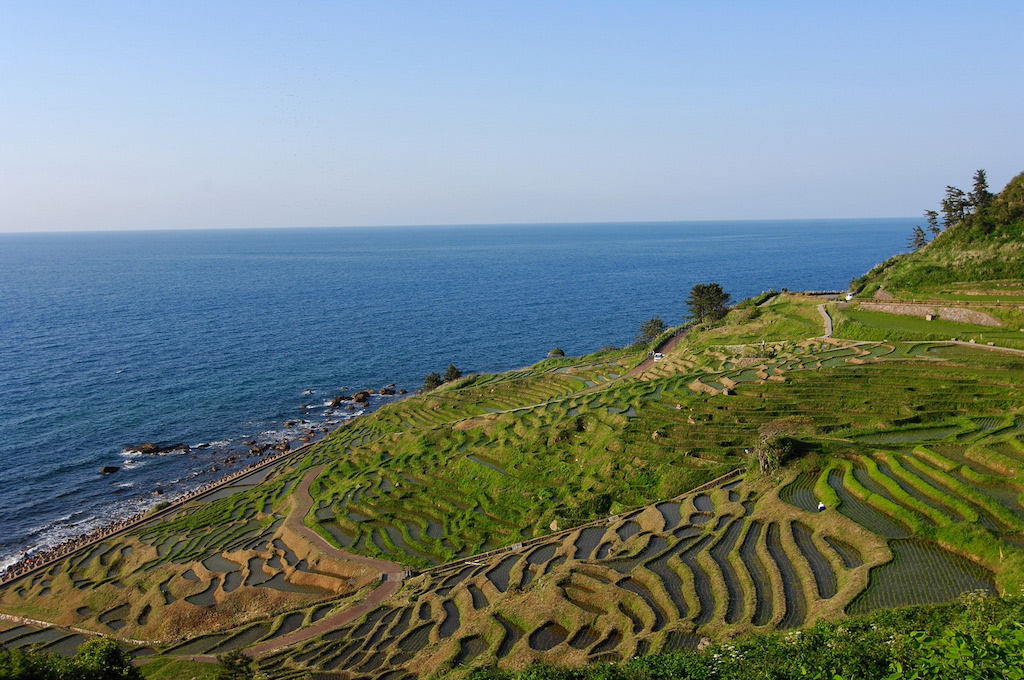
<point x="828" y="321"/>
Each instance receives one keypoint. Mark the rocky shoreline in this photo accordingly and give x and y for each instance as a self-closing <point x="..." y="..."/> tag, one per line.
<point x="267" y="452"/>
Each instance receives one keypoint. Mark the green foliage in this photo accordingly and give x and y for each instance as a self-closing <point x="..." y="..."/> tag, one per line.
<point x="981" y="242"/>
<point x="97" y="659"/>
<point x="451" y="374"/>
<point x="103" y="659"/>
<point x="707" y="301"/>
<point x="978" y="638"/>
<point x="917" y="239"/>
<point x="432" y="381"/>
<point x="651" y="329"/>
<point x="555" y="353"/>
<point x="234" y="665"/>
<point x="955" y="206"/>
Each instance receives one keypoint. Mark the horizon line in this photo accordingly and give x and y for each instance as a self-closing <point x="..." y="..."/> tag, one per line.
<point x="448" y="225"/>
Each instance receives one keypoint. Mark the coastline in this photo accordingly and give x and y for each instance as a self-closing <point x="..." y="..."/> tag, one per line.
<point x="31" y="561"/>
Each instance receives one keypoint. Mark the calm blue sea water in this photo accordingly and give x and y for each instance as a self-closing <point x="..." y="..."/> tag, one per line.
<point x="215" y="337"/>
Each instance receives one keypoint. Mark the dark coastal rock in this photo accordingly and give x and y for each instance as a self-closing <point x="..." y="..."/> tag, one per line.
<point x="152" y="449"/>
<point x="350" y="407"/>
<point x="303" y="406"/>
<point x="361" y="397"/>
<point x="158" y="492"/>
<point x="251" y="442"/>
<point x="336" y="402"/>
<point x="290" y="423"/>
<point x="403" y="391"/>
<point x="386" y="391"/>
<point x="109" y="469"/>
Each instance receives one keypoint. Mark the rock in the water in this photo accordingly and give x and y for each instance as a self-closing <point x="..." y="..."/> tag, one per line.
<point x="148" y="447"/>
<point x="386" y="391"/>
<point x="109" y="469"/>
<point x="361" y="397"/>
<point x="403" y="391"/>
<point x="250" y="442"/>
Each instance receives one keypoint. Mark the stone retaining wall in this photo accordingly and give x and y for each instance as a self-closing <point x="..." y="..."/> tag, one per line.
<point x="957" y="314"/>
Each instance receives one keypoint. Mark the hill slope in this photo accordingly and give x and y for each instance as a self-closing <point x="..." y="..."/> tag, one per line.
<point x="986" y="246"/>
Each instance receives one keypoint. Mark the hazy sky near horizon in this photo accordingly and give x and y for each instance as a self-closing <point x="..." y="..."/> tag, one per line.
<point x="139" y="115"/>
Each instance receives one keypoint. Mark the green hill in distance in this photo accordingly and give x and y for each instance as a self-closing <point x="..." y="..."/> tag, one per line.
<point x="784" y="471"/>
<point x="986" y="246"/>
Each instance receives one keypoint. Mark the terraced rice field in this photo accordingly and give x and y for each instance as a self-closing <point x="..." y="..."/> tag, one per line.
<point x="900" y="441"/>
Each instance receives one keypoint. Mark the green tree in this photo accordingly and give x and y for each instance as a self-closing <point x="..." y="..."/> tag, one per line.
<point x="980" y="197"/>
<point x="432" y="381"/>
<point x="451" y="373"/>
<point x="234" y="665"/>
<point x="955" y="206"/>
<point x="917" y="239"/>
<point x="707" y="301"/>
<point x="103" y="659"/>
<point x="933" y="222"/>
<point x="651" y="329"/>
<point x="19" y="665"/>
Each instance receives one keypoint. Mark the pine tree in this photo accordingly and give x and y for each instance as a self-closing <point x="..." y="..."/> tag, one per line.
<point x="981" y="196"/>
<point x="917" y="239"/>
<point x="432" y="381"/>
<point x="651" y="329"/>
<point x="955" y="206"/>
<point x="933" y="222"/>
<point x="451" y="373"/>
<point x="707" y="301"/>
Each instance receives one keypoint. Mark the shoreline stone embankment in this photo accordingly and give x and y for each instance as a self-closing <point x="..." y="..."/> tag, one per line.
<point x="29" y="563"/>
<point x="33" y="562"/>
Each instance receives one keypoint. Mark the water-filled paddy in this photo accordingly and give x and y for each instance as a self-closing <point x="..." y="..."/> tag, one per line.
<point x="920" y="572"/>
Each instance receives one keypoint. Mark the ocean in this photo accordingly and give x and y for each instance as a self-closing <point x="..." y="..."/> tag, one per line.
<point x="214" y="338"/>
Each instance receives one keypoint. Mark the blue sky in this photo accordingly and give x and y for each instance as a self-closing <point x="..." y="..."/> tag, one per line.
<point x="141" y="115"/>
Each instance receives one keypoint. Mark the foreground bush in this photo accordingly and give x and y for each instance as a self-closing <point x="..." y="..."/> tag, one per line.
<point x="977" y="638"/>
<point x="98" y="659"/>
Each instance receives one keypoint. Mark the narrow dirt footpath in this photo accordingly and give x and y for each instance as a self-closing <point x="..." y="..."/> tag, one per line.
<point x="301" y="503"/>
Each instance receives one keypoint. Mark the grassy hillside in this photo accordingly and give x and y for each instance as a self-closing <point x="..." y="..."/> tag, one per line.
<point x="987" y="246"/>
<point x="599" y="508"/>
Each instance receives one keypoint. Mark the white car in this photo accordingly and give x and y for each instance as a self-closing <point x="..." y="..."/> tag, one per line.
<point x="658" y="356"/>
